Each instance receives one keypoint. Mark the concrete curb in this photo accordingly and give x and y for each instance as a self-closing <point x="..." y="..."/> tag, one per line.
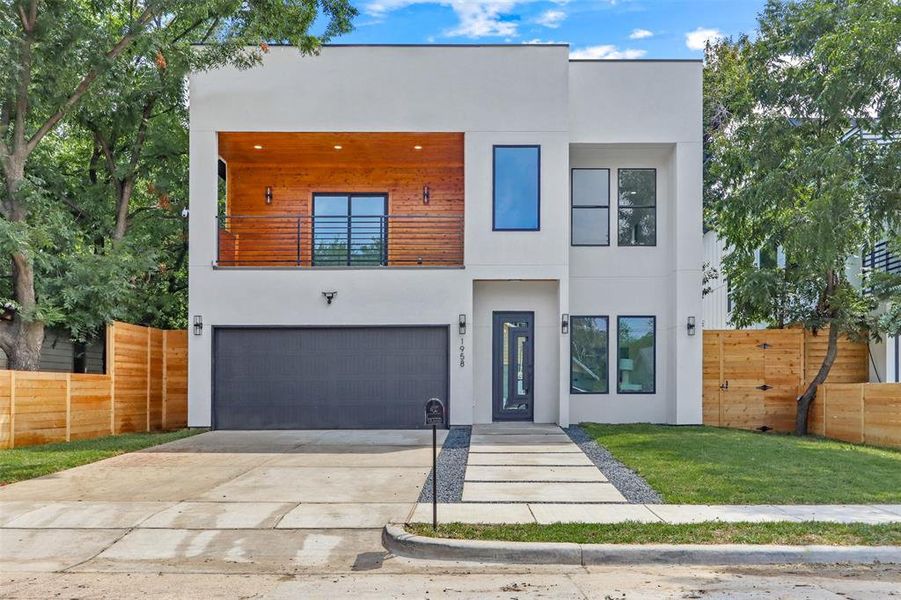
<point x="401" y="543"/>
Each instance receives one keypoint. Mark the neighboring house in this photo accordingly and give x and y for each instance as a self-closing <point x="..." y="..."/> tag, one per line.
<point x="59" y="353"/>
<point x="500" y="227"/>
<point x="884" y="355"/>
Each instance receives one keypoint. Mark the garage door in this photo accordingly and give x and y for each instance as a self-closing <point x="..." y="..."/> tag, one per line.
<point x="327" y="378"/>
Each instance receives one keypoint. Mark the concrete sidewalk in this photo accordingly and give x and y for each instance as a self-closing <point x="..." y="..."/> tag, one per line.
<point x="545" y="513"/>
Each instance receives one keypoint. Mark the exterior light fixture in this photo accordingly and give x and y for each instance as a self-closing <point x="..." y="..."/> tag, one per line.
<point x="198" y="325"/>
<point x="329" y="296"/>
<point x="338" y="146"/>
<point x="257" y="147"/>
<point x="461" y="324"/>
<point x="417" y="147"/>
<point x="268" y="194"/>
<point x="426" y="194"/>
<point x="690" y="326"/>
<point x="564" y="324"/>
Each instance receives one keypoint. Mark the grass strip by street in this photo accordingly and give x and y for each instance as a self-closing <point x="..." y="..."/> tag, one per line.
<point x="18" y="464"/>
<point x="712" y="465"/>
<point x="713" y="532"/>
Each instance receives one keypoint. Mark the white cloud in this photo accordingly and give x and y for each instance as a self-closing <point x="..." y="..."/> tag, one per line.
<point x="606" y="51"/>
<point x="540" y="42"/>
<point x="551" y="18"/>
<point x="695" y="40"/>
<point x="640" y="34"/>
<point x="477" y="18"/>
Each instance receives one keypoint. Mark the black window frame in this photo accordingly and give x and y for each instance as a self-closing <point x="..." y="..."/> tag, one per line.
<point x="494" y="226"/>
<point x="619" y="209"/>
<point x="572" y="319"/>
<point x="383" y="261"/>
<point x="618" y="349"/>
<point x="573" y="208"/>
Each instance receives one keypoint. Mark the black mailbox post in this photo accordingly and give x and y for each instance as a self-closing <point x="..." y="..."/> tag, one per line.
<point x="435" y="415"/>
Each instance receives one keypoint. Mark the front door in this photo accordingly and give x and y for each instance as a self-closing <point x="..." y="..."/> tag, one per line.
<point x="512" y="366"/>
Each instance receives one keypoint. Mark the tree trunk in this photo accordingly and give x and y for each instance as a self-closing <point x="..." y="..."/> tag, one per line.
<point x="21" y="339"/>
<point x="806" y="399"/>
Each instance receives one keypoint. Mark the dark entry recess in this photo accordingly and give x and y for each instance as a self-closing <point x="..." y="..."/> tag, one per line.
<point x="327" y="377"/>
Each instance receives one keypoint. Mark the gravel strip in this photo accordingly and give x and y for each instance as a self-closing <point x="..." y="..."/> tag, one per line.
<point x="629" y="483"/>
<point x="452" y="461"/>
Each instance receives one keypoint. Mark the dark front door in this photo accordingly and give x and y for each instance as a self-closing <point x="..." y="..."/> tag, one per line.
<point x="513" y="366"/>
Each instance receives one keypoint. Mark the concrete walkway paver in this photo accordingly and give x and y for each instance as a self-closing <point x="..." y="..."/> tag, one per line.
<point x="525" y="462"/>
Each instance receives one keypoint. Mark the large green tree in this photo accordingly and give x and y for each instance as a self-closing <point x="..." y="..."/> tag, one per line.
<point x="93" y="145"/>
<point x="804" y="156"/>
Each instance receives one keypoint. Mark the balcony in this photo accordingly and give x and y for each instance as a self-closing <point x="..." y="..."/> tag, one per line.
<point x="340" y="241"/>
<point x="340" y="200"/>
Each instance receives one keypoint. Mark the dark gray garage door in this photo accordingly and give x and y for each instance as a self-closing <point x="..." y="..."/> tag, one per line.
<point x="327" y="378"/>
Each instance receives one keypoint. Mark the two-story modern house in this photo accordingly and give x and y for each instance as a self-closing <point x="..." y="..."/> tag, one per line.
<point x="501" y="227"/>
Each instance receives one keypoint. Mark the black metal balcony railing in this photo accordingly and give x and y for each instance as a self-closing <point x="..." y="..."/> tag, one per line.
<point x="340" y="241"/>
<point x="879" y="258"/>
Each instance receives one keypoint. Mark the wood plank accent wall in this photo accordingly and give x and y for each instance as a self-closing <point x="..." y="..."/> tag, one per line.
<point x="785" y="366"/>
<point x="293" y="186"/>
<point x="144" y="389"/>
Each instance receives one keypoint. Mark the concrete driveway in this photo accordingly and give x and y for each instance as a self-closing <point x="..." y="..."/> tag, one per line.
<point x="220" y="502"/>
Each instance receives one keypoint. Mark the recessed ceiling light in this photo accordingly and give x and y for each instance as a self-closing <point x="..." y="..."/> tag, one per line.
<point x="257" y="147"/>
<point x="417" y="147"/>
<point x="338" y="146"/>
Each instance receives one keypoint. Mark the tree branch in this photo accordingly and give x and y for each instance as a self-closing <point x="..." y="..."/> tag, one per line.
<point x="89" y="78"/>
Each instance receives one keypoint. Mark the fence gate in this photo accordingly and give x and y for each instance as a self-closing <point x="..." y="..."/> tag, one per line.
<point x="751" y="378"/>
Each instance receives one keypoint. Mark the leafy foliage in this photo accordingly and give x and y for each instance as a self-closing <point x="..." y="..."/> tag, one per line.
<point x="93" y="146"/>
<point x="804" y="155"/>
<point x="784" y="171"/>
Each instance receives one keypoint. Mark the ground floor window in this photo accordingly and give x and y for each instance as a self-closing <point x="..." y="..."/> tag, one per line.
<point x="636" y="355"/>
<point x="589" y="344"/>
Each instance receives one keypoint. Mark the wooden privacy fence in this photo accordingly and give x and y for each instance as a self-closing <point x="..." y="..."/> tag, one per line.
<point x="752" y="378"/>
<point x="863" y="413"/>
<point x="144" y="389"/>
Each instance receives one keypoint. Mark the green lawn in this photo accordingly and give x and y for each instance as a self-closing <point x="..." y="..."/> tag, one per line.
<point x="711" y="465"/>
<point x="17" y="464"/>
<point x="838" y="534"/>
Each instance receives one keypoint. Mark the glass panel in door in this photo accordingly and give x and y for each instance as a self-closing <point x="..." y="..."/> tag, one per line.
<point x="513" y="366"/>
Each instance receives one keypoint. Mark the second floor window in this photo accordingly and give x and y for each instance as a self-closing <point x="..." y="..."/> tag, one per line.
<point x="637" y="205"/>
<point x="350" y="229"/>
<point x="516" y="188"/>
<point x="590" y="207"/>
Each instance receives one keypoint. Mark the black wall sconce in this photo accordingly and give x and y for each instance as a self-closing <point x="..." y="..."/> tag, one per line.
<point x="198" y="325"/>
<point x="564" y="324"/>
<point x="690" y="326"/>
<point x="329" y="296"/>
<point x="426" y="194"/>
<point x="461" y="324"/>
<point x="268" y="194"/>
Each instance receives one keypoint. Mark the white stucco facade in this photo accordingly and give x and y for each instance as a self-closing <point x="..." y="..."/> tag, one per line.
<point x="582" y="114"/>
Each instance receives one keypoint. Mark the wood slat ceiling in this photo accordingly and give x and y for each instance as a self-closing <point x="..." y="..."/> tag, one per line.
<point x="357" y="149"/>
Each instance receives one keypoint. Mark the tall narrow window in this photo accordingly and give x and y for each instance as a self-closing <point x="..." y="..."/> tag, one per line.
<point x="588" y="345"/>
<point x="516" y="188"/>
<point x="590" y="207"/>
<point x="349" y="229"/>
<point x="636" y="355"/>
<point x="637" y="203"/>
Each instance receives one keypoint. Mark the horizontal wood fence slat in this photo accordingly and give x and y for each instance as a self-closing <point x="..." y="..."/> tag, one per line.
<point x="144" y="389"/>
<point x="767" y="369"/>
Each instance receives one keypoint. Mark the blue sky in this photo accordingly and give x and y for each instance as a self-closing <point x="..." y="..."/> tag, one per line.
<point x="593" y="28"/>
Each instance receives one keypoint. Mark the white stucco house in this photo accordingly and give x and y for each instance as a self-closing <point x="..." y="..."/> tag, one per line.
<point x="503" y="228"/>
